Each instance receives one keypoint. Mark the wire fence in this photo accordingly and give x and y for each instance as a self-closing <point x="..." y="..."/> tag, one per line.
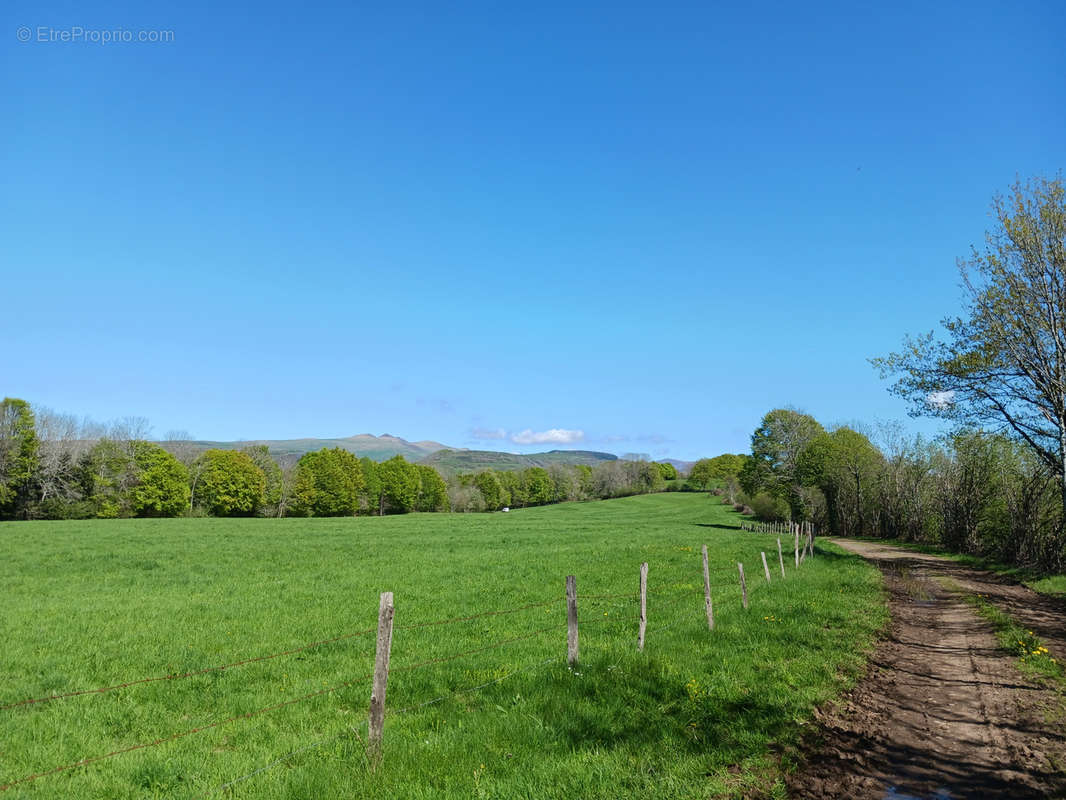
<point x="673" y="598"/>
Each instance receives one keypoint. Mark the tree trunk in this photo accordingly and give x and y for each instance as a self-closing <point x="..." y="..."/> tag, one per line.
<point x="1062" y="476"/>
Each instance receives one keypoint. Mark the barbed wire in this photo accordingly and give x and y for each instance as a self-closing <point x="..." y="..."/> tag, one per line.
<point x="472" y="689"/>
<point x="452" y="620"/>
<point x="275" y="707"/>
<point x="256" y="659"/>
<point x="182" y="734"/>
<point x="681" y="595"/>
<point x="342" y="734"/>
<point x="193" y="673"/>
<point x="493" y="646"/>
<point x="282" y="760"/>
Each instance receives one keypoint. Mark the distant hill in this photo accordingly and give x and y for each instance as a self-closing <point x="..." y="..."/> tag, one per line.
<point x="682" y="466"/>
<point x="287" y="451"/>
<point x="446" y="460"/>
<point x="453" y="461"/>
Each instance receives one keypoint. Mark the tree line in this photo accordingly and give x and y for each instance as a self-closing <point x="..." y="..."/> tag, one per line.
<point x="996" y="484"/>
<point x="492" y="490"/>
<point x="53" y="466"/>
<point x="969" y="491"/>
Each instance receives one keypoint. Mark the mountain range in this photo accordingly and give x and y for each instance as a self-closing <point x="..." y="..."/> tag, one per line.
<point x="447" y="460"/>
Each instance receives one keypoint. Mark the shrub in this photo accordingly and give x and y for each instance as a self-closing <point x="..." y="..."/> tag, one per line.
<point x="769" y="509"/>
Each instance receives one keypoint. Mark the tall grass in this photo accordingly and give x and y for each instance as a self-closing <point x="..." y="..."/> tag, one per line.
<point x="94" y="603"/>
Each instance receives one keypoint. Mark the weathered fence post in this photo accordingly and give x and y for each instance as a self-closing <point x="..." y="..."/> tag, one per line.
<point x="707" y="591"/>
<point x="780" y="557"/>
<point x="571" y="620"/>
<point x="796" y="530"/>
<point x="743" y="585"/>
<point x="765" y="568"/>
<point x="643" y="605"/>
<point x="376" y="725"/>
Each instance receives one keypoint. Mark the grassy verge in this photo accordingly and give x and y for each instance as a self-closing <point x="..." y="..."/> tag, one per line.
<point x="1033" y="656"/>
<point x="698" y="714"/>
<point x="1051" y="585"/>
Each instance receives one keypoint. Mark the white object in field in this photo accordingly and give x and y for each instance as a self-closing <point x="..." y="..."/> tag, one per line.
<point x="505" y="508"/>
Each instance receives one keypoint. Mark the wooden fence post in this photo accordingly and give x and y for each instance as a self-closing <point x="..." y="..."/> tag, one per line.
<point x="571" y="620"/>
<point x="643" y="605"/>
<point x="765" y="568"/>
<point x="780" y="557"/>
<point x="796" y="530"/>
<point x="707" y="591"/>
<point x="743" y="585"/>
<point x="376" y="725"/>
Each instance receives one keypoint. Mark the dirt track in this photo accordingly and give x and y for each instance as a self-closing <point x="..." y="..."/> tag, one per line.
<point x="943" y="714"/>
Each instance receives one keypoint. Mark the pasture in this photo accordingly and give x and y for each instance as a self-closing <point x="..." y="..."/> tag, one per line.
<point x="482" y="707"/>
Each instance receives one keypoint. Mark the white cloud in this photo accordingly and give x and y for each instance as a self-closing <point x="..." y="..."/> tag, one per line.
<point x="489" y="433"/>
<point x="941" y="401"/>
<point x="553" y="436"/>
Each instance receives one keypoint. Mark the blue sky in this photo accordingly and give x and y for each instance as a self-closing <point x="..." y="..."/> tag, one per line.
<point x="478" y="223"/>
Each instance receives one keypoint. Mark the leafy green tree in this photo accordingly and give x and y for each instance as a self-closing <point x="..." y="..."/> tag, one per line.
<point x="846" y="467"/>
<point x="162" y="486"/>
<point x="370" y="499"/>
<point x="756" y="475"/>
<point x="1003" y="362"/>
<point x="432" y="491"/>
<point x="327" y="484"/>
<point x="584" y="480"/>
<point x="231" y="484"/>
<point x="512" y="489"/>
<point x="667" y="470"/>
<point x="19" y="457"/>
<point x="775" y="448"/>
<point x="715" y="471"/>
<point x="538" y="486"/>
<point x="133" y="478"/>
<point x="274" y="480"/>
<point x="399" y="485"/>
<point x="489" y="485"/>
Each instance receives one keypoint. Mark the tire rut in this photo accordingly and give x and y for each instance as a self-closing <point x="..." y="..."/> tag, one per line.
<point x="943" y="714"/>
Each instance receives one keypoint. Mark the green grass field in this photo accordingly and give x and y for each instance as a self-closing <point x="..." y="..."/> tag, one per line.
<point x="698" y="714"/>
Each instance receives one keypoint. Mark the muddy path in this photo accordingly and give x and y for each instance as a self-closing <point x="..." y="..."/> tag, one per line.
<point x="943" y="714"/>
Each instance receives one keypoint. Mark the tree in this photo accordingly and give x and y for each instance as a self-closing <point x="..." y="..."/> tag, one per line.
<point x="1002" y="363"/>
<point x="18" y="457"/>
<point x="133" y="478"/>
<point x="370" y="498"/>
<point x="399" y="485"/>
<point x="667" y="470"/>
<point x="231" y="484"/>
<point x="538" y="486"/>
<point x="846" y="467"/>
<point x="566" y="482"/>
<point x="489" y="485"/>
<point x="162" y="486"/>
<point x="63" y="441"/>
<point x="274" y="479"/>
<point x="775" y="448"/>
<point x="710" y="471"/>
<point x="432" y="491"/>
<point x="327" y="484"/>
